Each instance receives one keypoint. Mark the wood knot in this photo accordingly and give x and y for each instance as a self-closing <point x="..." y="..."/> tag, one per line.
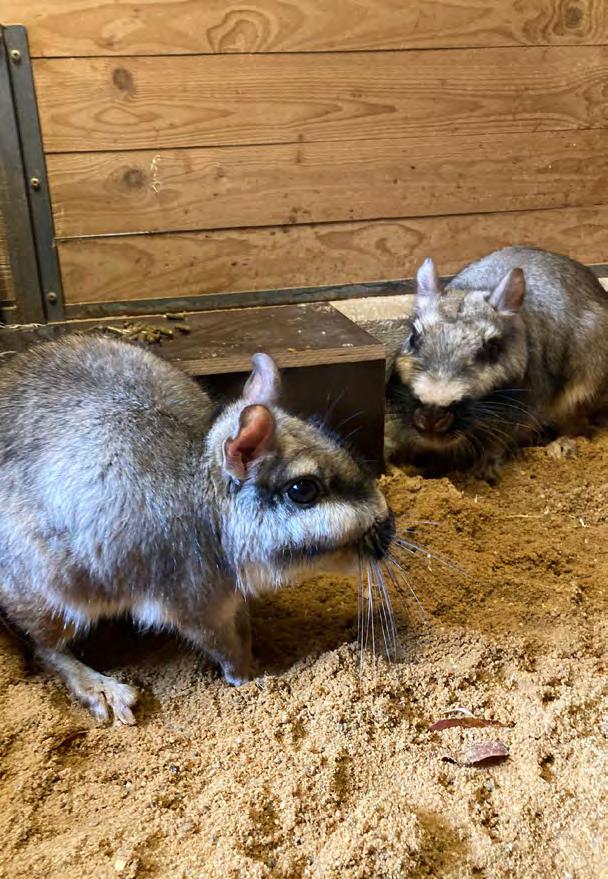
<point x="573" y="16"/>
<point x="134" y="178"/>
<point x="241" y="31"/>
<point x="123" y="80"/>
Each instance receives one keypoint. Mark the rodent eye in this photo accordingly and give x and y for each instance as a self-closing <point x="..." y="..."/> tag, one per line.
<point x="490" y="351"/>
<point x="412" y="343"/>
<point x="304" y="492"/>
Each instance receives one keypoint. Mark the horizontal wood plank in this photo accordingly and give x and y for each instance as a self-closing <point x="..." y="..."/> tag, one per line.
<point x="219" y="342"/>
<point x="166" y="266"/>
<point x="183" y="190"/>
<point x="189" y="101"/>
<point x="87" y="27"/>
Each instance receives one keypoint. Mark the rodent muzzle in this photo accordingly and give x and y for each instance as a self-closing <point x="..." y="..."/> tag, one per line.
<point x="378" y="539"/>
<point x="433" y="419"/>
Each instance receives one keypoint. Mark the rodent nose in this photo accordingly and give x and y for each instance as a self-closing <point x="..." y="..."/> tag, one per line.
<point x="433" y="419"/>
<point x="443" y="421"/>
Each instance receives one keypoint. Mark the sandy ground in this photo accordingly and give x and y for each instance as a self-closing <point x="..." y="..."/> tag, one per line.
<point x="316" y="770"/>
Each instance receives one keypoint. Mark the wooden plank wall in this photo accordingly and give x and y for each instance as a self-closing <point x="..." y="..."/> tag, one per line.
<point x="7" y="295"/>
<point x="206" y="146"/>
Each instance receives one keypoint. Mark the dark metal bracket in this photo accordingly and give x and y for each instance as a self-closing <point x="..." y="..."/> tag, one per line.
<point x="253" y="299"/>
<point x="24" y="193"/>
<point x="14" y="204"/>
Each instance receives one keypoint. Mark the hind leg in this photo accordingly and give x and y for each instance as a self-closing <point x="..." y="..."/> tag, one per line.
<point x="105" y="697"/>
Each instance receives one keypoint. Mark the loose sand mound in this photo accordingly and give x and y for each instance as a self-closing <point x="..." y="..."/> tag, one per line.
<point x="316" y="771"/>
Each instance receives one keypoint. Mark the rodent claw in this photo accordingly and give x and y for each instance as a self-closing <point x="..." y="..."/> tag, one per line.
<point x="98" y="705"/>
<point x="124" y="717"/>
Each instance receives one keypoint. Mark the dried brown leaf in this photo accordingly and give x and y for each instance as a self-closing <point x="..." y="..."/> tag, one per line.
<point x="481" y="754"/>
<point x="465" y="723"/>
<point x="61" y="741"/>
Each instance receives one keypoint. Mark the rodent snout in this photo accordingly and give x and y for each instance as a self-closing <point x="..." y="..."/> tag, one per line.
<point x="433" y="419"/>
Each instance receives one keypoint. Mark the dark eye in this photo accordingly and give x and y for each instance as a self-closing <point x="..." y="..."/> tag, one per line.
<point x="304" y="492"/>
<point x="412" y="343"/>
<point x="490" y="352"/>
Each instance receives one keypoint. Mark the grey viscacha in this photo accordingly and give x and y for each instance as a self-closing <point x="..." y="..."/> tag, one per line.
<point x="121" y="493"/>
<point x="516" y="345"/>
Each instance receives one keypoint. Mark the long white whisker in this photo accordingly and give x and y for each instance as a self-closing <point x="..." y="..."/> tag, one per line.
<point x="401" y="570"/>
<point x="370" y="613"/>
<point x="397" y="587"/>
<point x="381" y="613"/>
<point x="389" y="616"/>
<point x="360" y="612"/>
<point x="418" y="549"/>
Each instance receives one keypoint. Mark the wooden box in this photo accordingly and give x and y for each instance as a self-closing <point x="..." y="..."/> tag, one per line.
<point x="331" y="367"/>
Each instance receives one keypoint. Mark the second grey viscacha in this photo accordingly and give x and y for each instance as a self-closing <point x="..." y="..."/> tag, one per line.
<point x="122" y="494"/>
<point x="516" y="344"/>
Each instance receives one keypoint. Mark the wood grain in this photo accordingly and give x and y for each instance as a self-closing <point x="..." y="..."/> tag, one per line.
<point x="89" y="27"/>
<point x="328" y="363"/>
<point x="106" y="193"/>
<point x="6" y="274"/>
<point x="156" y="266"/>
<point x="297" y="335"/>
<point x="189" y="101"/>
<point x="219" y="342"/>
<point x="6" y="292"/>
<point x="6" y="277"/>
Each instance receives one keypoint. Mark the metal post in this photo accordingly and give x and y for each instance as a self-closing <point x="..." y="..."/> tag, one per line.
<point x="34" y="169"/>
<point x="14" y="203"/>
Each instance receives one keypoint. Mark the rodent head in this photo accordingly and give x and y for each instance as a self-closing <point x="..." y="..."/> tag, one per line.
<point x="290" y="497"/>
<point x="460" y="349"/>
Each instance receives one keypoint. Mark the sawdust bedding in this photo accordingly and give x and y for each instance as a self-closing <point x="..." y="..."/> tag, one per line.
<point x="320" y="770"/>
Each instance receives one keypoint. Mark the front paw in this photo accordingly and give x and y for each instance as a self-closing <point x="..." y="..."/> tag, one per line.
<point x="237" y="670"/>
<point x="562" y="448"/>
<point x="236" y="678"/>
<point x="489" y="469"/>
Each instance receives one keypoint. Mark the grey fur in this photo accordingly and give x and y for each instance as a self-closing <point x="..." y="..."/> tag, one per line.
<point x="548" y="368"/>
<point x="391" y="333"/>
<point x="118" y="497"/>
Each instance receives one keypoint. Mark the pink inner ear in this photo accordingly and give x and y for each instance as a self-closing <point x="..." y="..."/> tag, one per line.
<point x="256" y="430"/>
<point x="509" y="295"/>
<point x="428" y="286"/>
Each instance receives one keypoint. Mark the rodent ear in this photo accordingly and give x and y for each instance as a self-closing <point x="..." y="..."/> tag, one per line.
<point x="264" y="383"/>
<point x="252" y="442"/>
<point x="428" y="285"/>
<point x="508" y="296"/>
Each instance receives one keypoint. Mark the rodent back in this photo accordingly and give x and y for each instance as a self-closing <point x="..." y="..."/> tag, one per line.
<point x="557" y="286"/>
<point x="101" y="441"/>
<point x="565" y="313"/>
<point x="117" y="452"/>
<point x="95" y="394"/>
